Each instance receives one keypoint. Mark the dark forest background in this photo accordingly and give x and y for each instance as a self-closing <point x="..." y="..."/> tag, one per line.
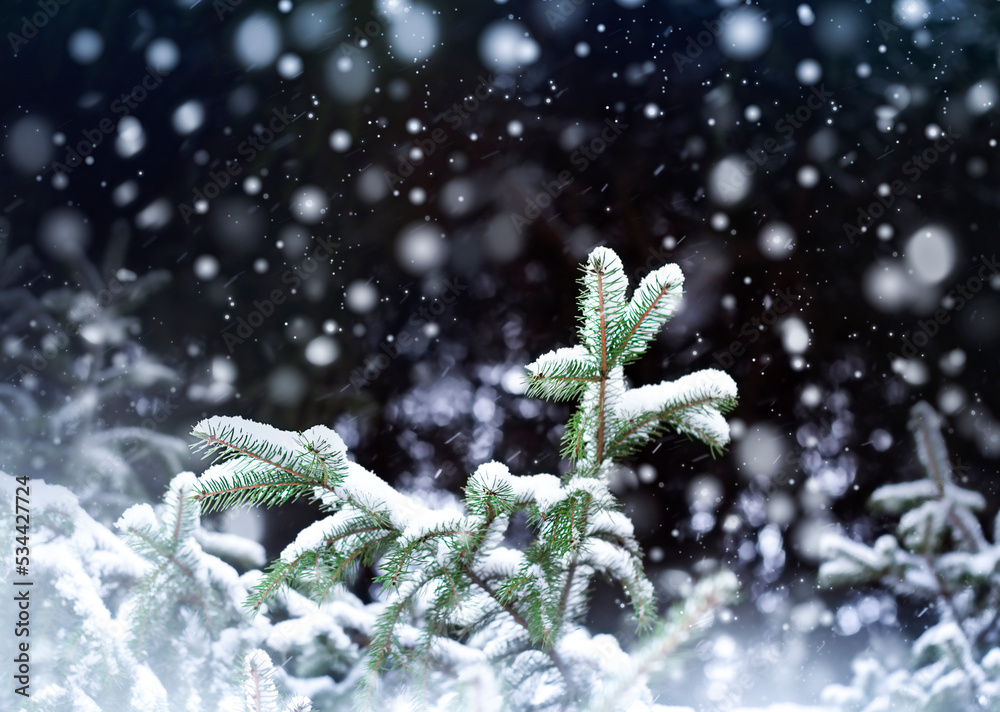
<point x="746" y="143"/>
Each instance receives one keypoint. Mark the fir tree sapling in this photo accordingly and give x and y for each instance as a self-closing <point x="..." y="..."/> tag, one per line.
<point x="461" y="611"/>
<point x="939" y="554"/>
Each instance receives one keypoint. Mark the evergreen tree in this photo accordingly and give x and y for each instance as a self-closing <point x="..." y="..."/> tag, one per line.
<point x="458" y="603"/>
<point x="71" y="359"/>
<point x="940" y="555"/>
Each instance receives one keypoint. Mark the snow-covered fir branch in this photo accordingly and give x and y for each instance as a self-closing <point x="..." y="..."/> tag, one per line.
<point x="613" y="421"/>
<point x="940" y="555"/>
<point x="149" y="621"/>
<point x="454" y="597"/>
<point x="77" y="360"/>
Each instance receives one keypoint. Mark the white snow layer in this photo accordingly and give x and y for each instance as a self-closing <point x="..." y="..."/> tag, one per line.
<point x="320" y="436"/>
<point x="648" y="291"/>
<point x="375" y="494"/>
<point x="544" y="490"/>
<point x="706" y="422"/>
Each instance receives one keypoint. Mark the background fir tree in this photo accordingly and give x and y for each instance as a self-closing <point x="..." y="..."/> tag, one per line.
<point x="76" y="364"/>
<point x="938" y="555"/>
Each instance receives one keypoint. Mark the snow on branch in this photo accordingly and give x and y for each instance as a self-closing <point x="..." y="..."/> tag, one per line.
<point x="151" y="623"/>
<point x="602" y="303"/>
<point x="654" y="302"/>
<point x="693" y="405"/>
<point x="265" y="465"/>
<point x="612" y="421"/>
<point x="453" y="591"/>
<point x="259" y="691"/>
<point x="938" y="554"/>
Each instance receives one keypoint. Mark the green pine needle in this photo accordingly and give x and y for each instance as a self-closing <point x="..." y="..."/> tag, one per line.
<point x="450" y="575"/>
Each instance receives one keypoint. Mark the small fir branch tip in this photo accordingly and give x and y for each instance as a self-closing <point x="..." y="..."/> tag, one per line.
<point x="611" y="421"/>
